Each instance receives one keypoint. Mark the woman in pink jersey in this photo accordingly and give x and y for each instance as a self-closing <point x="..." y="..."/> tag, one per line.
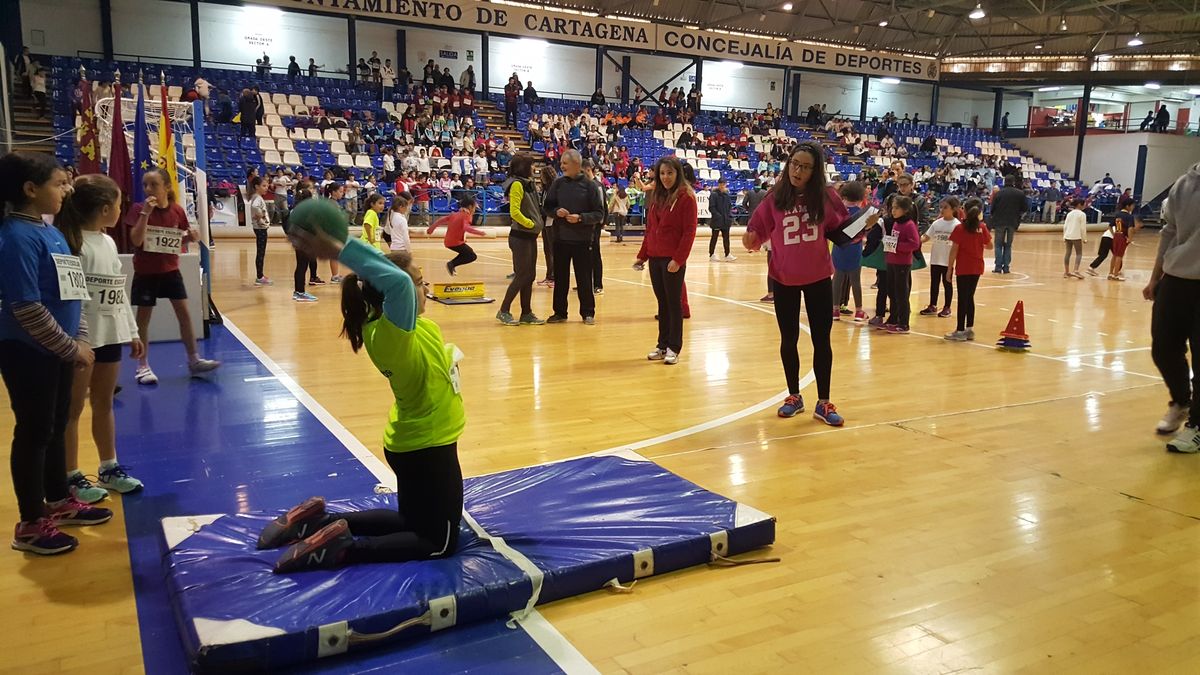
<point x="795" y="218"/>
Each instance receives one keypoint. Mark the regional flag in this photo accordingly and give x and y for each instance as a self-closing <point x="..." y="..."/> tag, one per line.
<point x="141" y="147"/>
<point x="89" y="144"/>
<point x="166" y="142"/>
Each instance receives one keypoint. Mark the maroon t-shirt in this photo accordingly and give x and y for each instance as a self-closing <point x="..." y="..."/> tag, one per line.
<point x="172" y="216"/>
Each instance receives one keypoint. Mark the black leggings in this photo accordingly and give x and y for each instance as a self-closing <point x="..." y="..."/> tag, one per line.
<point x="1105" y="249"/>
<point x="1174" y="327"/>
<point x="881" y="294"/>
<point x="39" y="391"/>
<point x="548" y="251"/>
<point x="524" y="253"/>
<point x="938" y="277"/>
<point x="668" y="291"/>
<point x="818" y="303"/>
<point x="260" y="251"/>
<point x="723" y="233"/>
<point x="303" y="264"/>
<point x="430" y="495"/>
<point x="899" y="285"/>
<point x="966" y="300"/>
<point x="466" y="255"/>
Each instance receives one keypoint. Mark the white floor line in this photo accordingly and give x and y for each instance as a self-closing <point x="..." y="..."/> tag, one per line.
<point x="1104" y="352"/>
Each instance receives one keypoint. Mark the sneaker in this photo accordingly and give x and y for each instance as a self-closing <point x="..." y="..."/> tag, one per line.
<point x="510" y="276"/>
<point x="791" y="405"/>
<point x="1119" y="277"/>
<point x="715" y="258"/>
<point x="324" y="550"/>
<point x="589" y="321"/>
<point x="956" y="336"/>
<point x="1176" y="415"/>
<point x="145" y="376"/>
<point x="827" y="413"/>
<point x="885" y="326"/>
<point x="670" y="358"/>
<point x="203" y="366"/>
<point x="263" y="281"/>
<point x="300" y="521"/>
<point x="656" y="355"/>
<point x="546" y="282"/>
<point x="82" y="489"/>
<point x="336" y="279"/>
<point x="837" y="316"/>
<point x="115" y="478"/>
<point x="860" y="316"/>
<point x="450" y="269"/>
<point x="1076" y="274"/>
<point x="506" y="318"/>
<point x="1186" y="441"/>
<point x="894" y="329"/>
<point x="970" y="333"/>
<point x="1066" y="275"/>
<point x="304" y="297"/>
<point x="730" y="258"/>
<point x="597" y="291"/>
<point x="71" y="511"/>
<point x="769" y="297"/>
<point x="929" y="311"/>
<point x="1092" y="271"/>
<point x="1006" y="271"/>
<point x="944" y="313"/>
<point x="43" y="538"/>
<point x="531" y="319"/>
<point x="875" y="322"/>
<point x="556" y="318"/>
<point x="846" y="310"/>
<point x="316" y="281"/>
<point x="550" y="284"/>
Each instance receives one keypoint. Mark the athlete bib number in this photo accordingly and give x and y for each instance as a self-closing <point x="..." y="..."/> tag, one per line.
<point x="71" y="283"/>
<point x="796" y="230"/>
<point x="163" y="240"/>
<point x="889" y="242"/>
<point x="107" y="292"/>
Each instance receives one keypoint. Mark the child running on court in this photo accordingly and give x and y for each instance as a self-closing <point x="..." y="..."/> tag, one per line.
<point x="458" y="224"/>
<point x="93" y="206"/>
<point x="1074" y="236"/>
<point x="847" y="258"/>
<point x="939" y="256"/>
<point x="383" y="314"/>
<point x="967" y="244"/>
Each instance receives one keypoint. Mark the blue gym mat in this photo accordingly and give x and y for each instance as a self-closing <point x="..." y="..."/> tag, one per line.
<point x="531" y="535"/>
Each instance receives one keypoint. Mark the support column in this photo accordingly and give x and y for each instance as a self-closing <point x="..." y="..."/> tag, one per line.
<point x="401" y="49"/>
<point x="866" y="90"/>
<point x="699" y="73"/>
<point x="625" y="79"/>
<point x="352" y="43"/>
<point x="786" y="95"/>
<point x="997" y="110"/>
<point x="933" y="106"/>
<point x="484" y="65"/>
<point x="599" y="68"/>
<point x="106" y="31"/>
<point x="194" y="5"/>
<point x="795" y="94"/>
<point x="1081" y="127"/>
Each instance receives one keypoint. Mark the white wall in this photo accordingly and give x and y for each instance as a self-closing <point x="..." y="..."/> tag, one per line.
<point x="1017" y="108"/>
<point x="154" y="29"/>
<point x="732" y="85"/>
<point x="422" y="45"/>
<point x="551" y="67"/>
<point x="837" y="92"/>
<point x="1168" y="156"/>
<point x="649" y="69"/>
<point x="62" y="26"/>
<point x="373" y="36"/>
<point x="963" y="105"/>
<point x="901" y="98"/>
<point x="239" y="35"/>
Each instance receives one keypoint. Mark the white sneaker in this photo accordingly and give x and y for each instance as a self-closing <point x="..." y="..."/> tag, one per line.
<point x="670" y="358"/>
<point x="1176" y="415"/>
<point x="656" y="355"/>
<point x="203" y="366"/>
<point x="1186" y="441"/>
<point x="144" y="375"/>
<point x="730" y="258"/>
<point x="715" y="258"/>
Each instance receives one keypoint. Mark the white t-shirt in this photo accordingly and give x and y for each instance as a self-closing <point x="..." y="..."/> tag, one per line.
<point x="389" y="163"/>
<point x="110" y="319"/>
<point x="1075" y="226"/>
<point x="258" y="213"/>
<point x="281" y="183"/>
<point x="351" y="189"/>
<point x="939" y="234"/>
<point x="397" y="227"/>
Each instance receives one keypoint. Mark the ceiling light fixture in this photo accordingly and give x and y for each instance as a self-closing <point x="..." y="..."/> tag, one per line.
<point x="978" y="12"/>
<point x="787" y="6"/>
<point x="883" y="24"/>
<point x="1038" y="46"/>
<point x="1049" y="88"/>
<point x="1062" y="25"/>
<point x="1136" y="40"/>
<point x="1153" y="85"/>
<point x="931" y="13"/>
<point x="1194" y="91"/>
<point x="762" y="16"/>
<point x="890" y="80"/>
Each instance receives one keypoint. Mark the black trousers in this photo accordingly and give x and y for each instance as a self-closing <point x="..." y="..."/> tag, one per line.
<point x="430" y="495"/>
<point x="39" y="391"/>
<point x="510" y="114"/>
<point x="723" y="233"/>
<point x="465" y="255"/>
<point x="524" y="254"/>
<point x="577" y="255"/>
<point x="967" y="283"/>
<point x="1175" y="328"/>
<point x="668" y="290"/>
<point x="818" y="305"/>
<point x="939" y="279"/>
<point x="260" y="251"/>
<point x="597" y="261"/>
<point x="548" y="251"/>
<point x="302" y="263"/>
<point x="1102" y="253"/>
<point x="881" y="293"/>
<point x="899" y="283"/>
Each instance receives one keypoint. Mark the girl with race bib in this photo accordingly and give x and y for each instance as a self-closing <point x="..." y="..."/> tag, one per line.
<point x="382" y="305"/>
<point x="92" y="206"/>
<point x="160" y="232"/>
<point x="43" y="340"/>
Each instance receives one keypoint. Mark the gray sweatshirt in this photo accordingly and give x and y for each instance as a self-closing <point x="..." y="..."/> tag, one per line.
<point x="1179" y="243"/>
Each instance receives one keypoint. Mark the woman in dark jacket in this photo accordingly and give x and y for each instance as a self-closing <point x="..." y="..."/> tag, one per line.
<point x="526" y="223"/>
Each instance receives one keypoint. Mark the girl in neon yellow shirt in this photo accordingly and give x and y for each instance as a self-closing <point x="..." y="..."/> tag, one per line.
<point x="370" y="230"/>
<point x="381" y="307"/>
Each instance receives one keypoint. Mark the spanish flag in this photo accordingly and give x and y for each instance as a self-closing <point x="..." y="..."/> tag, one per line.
<point x="166" y="141"/>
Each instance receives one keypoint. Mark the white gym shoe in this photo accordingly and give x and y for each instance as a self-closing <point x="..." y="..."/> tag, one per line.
<point x="670" y="358"/>
<point x="145" y="376"/>
<point x="1186" y="441"/>
<point x="1176" y="415"/>
<point x="203" y="366"/>
<point x="730" y="258"/>
<point x="656" y="355"/>
<point x="715" y="258"/>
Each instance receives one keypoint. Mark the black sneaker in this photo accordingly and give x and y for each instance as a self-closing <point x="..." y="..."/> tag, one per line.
<point x="316" y="281"/>
<point x="556" y="318"/>
<point x="322" y="551"/>
<point x="299" y="522"/>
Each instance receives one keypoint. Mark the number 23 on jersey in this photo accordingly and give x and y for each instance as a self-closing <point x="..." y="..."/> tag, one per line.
<point x="797" y="229"/>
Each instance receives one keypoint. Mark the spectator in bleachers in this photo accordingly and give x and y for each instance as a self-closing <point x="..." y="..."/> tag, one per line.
<point x="1051" y="196"/>
<point x="446" y="80"/>
<point x="293" y="70"/>
<point x="512" y="92"/>
<point x="1162" y="120"/>
<point x="387" y="79"/>
<point x="466" y="79"/>
<point x="362" y="69"/>
<point x="260" y="105"/>
<point x="429" y="77"/>
<point x="916" y="118"/>
<point x="247" y="110"/>
<point x="376" y="65"/>
<point x="530" y="95"/>
<point x="38" y="84"/>
<point x="1148" y="122"/>
<point x="598" y="98"/>
<point x="313" y="68"/>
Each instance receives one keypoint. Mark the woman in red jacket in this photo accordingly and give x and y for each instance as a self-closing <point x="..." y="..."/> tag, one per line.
<point x="670" y="231"/>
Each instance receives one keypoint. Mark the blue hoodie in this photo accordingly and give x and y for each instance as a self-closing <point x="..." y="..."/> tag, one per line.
<point x="848" y="257"/>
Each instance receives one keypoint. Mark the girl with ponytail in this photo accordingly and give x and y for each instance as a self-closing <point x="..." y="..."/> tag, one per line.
<point x="90" y="208"/>
<point x="967" y="243"/>
<point x="382" y="302"/>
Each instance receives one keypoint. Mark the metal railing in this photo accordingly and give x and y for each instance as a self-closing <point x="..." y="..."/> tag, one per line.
<point x="6" y="118"/>
<point x="252" y="68"/>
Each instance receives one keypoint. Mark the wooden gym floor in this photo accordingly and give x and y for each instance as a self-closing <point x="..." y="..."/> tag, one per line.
<point x="981" y="510"/>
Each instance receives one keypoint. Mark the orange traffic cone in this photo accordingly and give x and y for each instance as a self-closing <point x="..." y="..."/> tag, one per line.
<point x="1014" y="337"/>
